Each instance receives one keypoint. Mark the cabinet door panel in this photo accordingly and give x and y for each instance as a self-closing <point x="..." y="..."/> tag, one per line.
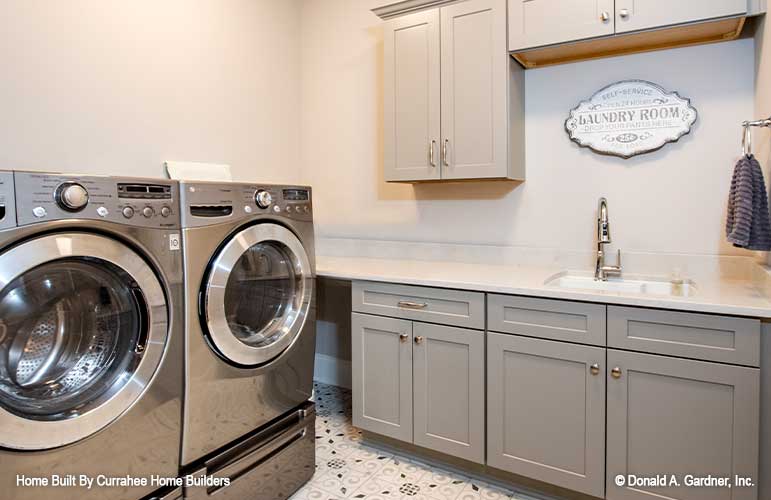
<point x="474" y="90"/>
<point x="382" y="375"/>
<point x="449" y="390"/>
<point x="676" y="416"/>
<point x="411" y="97"/>
<point x="546" y="411"/>
<point x="632" y="15"/>
<point x="534" y="23"/>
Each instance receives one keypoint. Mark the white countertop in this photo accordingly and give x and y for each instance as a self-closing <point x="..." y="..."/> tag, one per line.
<point x="720" y="291"/>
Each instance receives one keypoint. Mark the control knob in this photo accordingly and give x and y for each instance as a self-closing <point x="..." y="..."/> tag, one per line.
<point x="71" y="196"/>
<point x="263" y="198"/>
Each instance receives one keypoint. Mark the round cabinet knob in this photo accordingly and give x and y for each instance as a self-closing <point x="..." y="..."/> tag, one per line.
<point x="605" y="16"/>
<point x="165" y="211"/>
<point x="623" y="13"/>
<point x="71" y="197"/>
<point x="128" y="212"/>
<point x="595" y="369"/>
<point x="403" y="337"/>
<point x="418" y="339"/>
<point x="616" y="372"/>
<point x="263" y="198"/>
<point x="148" y="212"/>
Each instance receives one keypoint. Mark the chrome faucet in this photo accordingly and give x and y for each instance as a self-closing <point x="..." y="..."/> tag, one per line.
<point x="601" y="271"/>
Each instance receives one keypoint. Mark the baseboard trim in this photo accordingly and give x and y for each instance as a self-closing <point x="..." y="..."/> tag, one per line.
<point x="332" y="371"/>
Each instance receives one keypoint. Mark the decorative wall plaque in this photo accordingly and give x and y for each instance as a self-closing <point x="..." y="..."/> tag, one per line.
<point x="629" y="118"/>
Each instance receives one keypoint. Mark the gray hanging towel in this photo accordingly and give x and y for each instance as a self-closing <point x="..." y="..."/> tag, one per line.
<point x="748" y="224"/>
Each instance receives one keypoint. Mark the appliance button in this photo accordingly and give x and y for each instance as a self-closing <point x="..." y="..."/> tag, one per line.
<point x="102" y="211"/>
<point x="276" y="208"/>
<point x="128" y="212"/>
<point x="148" y="212"/>
<point x="247" y="209"/>
<point x="288" y="209"/>
<point x="263" y="198"/>
<point x="306" y="209"/>
<point x="39" y="212"/>
<point x="165" y="211"/>
<point x="71" y="196"/>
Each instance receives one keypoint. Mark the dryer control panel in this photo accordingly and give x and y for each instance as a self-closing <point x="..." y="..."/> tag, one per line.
<point x="206" y="203"/>
<point x="7" y="201"/>
<point x="134" y="202"/>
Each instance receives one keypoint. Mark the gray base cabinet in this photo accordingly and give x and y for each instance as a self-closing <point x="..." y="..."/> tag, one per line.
<point x="676" y="416"/>
<point x="449" y="392"/>
<point x="546" y="411"/>
<point x="382" y="375"/>
<point x="420" y="383"/>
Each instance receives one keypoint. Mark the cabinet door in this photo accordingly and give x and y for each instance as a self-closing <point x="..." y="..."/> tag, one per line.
<point x="676" y="417"/>
<point x="634" y="15"/>
<point x="449" y="390"/>
<point x="534" y="23"/>
<point x="382" y="375"/>
<point x="474" y="90"/>
<point x="411" y="92"/>
<point x="546" y="411"/>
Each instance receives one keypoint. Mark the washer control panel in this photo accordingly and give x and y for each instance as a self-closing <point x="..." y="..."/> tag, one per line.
<point x="135" y="202"/>
<point x="7" y="201"/>
<point x="206" y="203"/>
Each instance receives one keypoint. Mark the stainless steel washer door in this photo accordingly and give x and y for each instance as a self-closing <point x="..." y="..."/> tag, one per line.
<point x="257" y="294"/>
<point x="83" y="328"/>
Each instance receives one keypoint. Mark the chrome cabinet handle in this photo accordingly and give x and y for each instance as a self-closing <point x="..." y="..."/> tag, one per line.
<point x="616" y="372"/>
<point x="403" y="337"/>
<point x="418" y="339"/>
<point x="623" y="13"/>
<point x="595" y="369"/>
<point x="444" y="153"/>
<point x="411" y="305"/>
<point x="605" y="16"/>
<point x="431" y="159"/>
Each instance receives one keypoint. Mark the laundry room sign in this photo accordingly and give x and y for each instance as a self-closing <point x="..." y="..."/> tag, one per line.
<point x="629" y="118"/>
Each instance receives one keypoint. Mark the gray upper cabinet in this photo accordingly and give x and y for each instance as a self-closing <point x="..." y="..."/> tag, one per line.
<point x="676" y="416"/>
<point x="474" y="90"/>
<point x="634" y="15"/>
<point x="453" y="98"/>
<point x="382" y="375"/>
<point x="449" y="392"/>
<point x="411" y="97"/>
<point x="534" y="23"/>
<point x="546" y="411"/>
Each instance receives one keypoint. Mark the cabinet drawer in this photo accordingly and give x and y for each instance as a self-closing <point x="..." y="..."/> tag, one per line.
<point x="432" y="305"/>
<point x="548" y="319"/>
<point x="688" y="335"/>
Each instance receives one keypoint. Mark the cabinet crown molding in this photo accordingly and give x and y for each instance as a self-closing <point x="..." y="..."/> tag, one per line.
<point x="396" y="9"/>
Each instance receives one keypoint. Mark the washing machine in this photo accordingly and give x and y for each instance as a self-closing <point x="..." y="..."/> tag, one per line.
<point x="250" y="339"/>
<point x="91" y="337"/>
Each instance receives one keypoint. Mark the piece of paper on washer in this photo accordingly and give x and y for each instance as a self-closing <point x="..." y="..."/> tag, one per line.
<point x="194" y="171"/>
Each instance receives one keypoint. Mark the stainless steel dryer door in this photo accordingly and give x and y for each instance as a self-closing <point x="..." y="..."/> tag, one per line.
<point x="83" y="328"/>
<point x="257" y="294"/>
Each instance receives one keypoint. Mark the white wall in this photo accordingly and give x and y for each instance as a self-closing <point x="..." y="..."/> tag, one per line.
<point x="672" y="200"/>
<point x="117" y="87"/>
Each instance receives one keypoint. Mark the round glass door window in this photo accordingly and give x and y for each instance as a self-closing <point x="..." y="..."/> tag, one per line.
<point x="83" y="327"/>
<point x="69" y="331"/>
<point x="258" y="294"/>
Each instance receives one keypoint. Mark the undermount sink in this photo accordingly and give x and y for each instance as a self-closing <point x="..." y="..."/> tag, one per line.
<point x="630" y="284"/>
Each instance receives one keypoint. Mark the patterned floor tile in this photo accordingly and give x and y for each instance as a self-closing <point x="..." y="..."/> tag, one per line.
<point x="348" y="469"/>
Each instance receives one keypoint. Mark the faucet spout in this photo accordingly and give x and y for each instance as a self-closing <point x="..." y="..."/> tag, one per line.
<point x="601" y="271"/>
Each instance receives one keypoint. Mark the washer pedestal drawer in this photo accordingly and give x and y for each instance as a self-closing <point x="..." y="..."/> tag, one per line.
<point x="269" y="465"/>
